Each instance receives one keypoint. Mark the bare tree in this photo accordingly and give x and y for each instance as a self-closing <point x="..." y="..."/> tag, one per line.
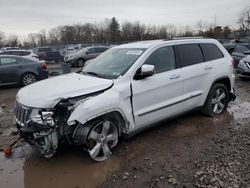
<point x="244" y="18"/>
<point x="54" y="36"/>
<point x="12" y="40"/>
<point x="42" y="38"/>
<point x="32" y="39"/>
<point x="2" y="38"/>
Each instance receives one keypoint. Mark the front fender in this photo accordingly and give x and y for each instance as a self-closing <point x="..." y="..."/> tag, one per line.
<point x="109" y="101"/>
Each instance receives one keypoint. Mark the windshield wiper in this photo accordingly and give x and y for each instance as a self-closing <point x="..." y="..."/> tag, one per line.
<point x="94" y="74"/>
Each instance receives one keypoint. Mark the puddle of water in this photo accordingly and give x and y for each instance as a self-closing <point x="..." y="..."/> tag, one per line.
<point x="70" y="168"/>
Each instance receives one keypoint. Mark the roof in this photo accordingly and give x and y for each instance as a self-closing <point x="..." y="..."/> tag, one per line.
<point x="151" y="43"/>
<point x="16" y="56"/>
<point x="17" y="50"/>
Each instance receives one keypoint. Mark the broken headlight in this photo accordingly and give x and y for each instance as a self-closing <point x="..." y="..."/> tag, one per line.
<point x="42" y="117"/>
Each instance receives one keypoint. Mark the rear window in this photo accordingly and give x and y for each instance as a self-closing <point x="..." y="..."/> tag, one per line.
<point x="24" y="53"/>
<point x="240" y="49"/>
<point x="211" y="52"/>
<point x="44" y="50"/>
<point x="189" y="54"/>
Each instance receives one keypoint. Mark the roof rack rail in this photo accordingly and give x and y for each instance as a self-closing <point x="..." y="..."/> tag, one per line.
<point x="181" y="38"/>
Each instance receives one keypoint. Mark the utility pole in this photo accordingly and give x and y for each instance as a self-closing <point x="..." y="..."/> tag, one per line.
<point x="215" y="21"/>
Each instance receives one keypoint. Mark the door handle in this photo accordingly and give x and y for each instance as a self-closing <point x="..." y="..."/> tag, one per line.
<point x="208" y="67"/>
<point x="175" y="76"/>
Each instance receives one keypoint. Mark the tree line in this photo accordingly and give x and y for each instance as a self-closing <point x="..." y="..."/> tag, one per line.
<point x="110" y="31"/>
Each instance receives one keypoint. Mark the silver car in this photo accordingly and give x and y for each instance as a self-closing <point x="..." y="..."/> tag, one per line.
<point x="243" y="69"/>
<point x="80" y="57"/>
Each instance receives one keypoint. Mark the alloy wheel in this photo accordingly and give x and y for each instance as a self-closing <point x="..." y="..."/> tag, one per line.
<point x="218" y="101"/>
<point x="29" y="79"/>
<point x="80" y="63"/>
<point x="101" y="139"/>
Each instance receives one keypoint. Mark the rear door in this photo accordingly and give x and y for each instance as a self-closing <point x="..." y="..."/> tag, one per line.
<point x="197" y="74"/>
<point x="158" y="96"/>
<point x="9" y="70"/>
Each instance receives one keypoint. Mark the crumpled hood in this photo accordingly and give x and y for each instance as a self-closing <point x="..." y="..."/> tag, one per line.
<point x="47" y="93"/>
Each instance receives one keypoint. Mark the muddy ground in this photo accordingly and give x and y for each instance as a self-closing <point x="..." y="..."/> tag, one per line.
<point x="190" y="151"/>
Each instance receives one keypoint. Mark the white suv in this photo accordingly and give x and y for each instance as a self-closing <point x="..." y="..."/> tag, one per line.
<point x="126" y="89"/>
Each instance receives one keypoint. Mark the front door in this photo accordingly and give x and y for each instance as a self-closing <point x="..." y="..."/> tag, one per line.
<point x="159" y="96"/>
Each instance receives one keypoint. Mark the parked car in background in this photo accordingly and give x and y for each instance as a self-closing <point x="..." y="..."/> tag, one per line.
<point x="79" y="58"/>
<point x="24" y="53"/>
<point x="229" y="47"/>
<point x="243" y="68"/>
<point x="123" y="91"/>
<point x="71" y="49"/>
<point x="47" y="54"/>
<point x="240" y="51"/>
<point x="19" y="70"/>
<point x="10" y="48"/>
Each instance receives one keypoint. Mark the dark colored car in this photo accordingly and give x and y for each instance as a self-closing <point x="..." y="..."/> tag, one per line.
<point x="47" y="54"/>
<point x="19" y="70"/>
<point x="80" y="57"/>
<point x="240" y="51"/>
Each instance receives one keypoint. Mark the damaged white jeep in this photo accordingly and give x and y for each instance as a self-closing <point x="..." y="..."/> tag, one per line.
<point x="126" y="89"/>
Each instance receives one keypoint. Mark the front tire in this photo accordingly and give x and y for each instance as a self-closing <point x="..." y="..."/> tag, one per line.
<point x="217" y="100"/>
<point x="28" y="78"/>
<point x="102" y="137"/>
<point x="80" y="62"/>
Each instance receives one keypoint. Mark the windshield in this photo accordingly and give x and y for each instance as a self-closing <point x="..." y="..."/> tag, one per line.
<point x="113" y="63"/>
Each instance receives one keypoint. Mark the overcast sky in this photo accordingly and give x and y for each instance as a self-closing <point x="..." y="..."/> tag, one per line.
<point x="25" y="16"/>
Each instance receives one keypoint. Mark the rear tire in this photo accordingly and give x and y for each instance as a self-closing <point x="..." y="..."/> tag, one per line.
<point x="217" y="100"/>
<point x="28" y="78"/>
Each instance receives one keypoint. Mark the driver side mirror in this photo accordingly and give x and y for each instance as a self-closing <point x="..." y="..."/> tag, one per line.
<point x="144" y="72"/>
<point x="247" y="52"/>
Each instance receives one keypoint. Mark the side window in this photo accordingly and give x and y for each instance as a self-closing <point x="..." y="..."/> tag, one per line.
<point x="18" y="53"/>
<point x="211" y="52"/>
<point x="100" y="50"/>
<point x="6" y="53"/>
<point x="240" y="49"/>
<point x="163" y="59"/>
<point x="24" y="53"/>
<point x="189" y="54"/>
<point x="91" y="50"/>
<point x="7" y="61"/>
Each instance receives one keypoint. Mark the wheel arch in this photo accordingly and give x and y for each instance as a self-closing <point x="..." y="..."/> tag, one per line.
<point x="81" y="58"/>
<point x="82" y="130"/>
<point x="223" y="80"/>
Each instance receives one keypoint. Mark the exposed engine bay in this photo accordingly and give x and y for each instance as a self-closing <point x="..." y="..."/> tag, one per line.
<point x="43" y="129"/>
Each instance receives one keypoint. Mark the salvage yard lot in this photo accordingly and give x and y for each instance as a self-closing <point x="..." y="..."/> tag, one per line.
<point x="190" y="151"/>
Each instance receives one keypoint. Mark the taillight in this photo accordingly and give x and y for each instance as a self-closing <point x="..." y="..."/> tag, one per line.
<point x="35" y="56"/>
<point x="232" y="62"/>
<point x="43" y="65"/>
